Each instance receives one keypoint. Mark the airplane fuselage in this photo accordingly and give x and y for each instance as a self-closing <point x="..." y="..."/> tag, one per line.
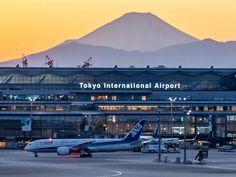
<point x="97" y="145"/>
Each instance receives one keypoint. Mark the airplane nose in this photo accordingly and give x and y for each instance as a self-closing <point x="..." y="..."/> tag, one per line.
<point x="26" y="148"/>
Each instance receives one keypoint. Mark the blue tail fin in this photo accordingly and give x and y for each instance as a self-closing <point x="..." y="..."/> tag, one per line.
<point x="155" y="131"/>
<point x="135" y="133"/>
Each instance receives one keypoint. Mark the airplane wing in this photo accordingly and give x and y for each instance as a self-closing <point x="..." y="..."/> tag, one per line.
<point x="149" y="141"/>
<point x="83" y="145"/>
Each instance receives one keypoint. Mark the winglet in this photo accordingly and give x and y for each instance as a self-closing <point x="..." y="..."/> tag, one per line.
<point x="156" y="130"/>
<point x="135" y="133"/>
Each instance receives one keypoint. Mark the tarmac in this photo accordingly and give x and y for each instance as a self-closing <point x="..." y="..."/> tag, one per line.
<point x="18" y="163"/>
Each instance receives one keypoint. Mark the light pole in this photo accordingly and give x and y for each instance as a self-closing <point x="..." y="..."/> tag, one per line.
<point x="159" y="136"/>
<point x="171" y="114"/>
<point x="31" y="115"/>
<point x="185" y="146"/>
<point x="31" y="108"/>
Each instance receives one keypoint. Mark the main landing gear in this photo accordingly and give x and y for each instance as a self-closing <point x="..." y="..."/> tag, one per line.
<point x="85" y="155"/>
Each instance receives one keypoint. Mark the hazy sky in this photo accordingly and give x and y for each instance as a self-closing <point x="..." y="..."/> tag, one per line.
<point x="29" y="26"/>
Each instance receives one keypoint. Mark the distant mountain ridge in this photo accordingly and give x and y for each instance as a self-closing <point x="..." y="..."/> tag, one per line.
<point x="195" y="53"/>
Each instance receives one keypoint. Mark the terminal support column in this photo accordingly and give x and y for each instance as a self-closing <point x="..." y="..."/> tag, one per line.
<point x="159" y="136"/>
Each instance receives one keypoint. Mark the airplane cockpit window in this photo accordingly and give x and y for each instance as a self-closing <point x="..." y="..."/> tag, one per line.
<point x="47" y="142"/>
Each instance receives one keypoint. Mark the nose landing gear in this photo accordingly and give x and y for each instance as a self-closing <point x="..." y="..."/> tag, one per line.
<point x="35" y="154"/>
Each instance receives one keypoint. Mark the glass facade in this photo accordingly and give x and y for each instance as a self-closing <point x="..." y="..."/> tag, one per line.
<point x="85" y="102"/>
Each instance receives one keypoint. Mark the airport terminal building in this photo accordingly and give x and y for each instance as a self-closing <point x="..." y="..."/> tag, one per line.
<point x="70" y="102"/>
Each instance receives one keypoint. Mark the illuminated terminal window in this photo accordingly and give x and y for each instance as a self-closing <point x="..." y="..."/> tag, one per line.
<point x="144" y="98"/>
<point x="13" y="108"/>
<point x="219" y="108"/>
<point x="202" y="130"/>
<point x="142" y="108"/>
<point x="231" y="118"/>
<point x="99" y="97"/>
<point x="114" y="98"/>
<point x="206" y="108"/>
<point x="178" y="130"/>
<point x="192" y="130"/>
<point x="2" y="144"/>
<point x="39" y="108"/>
<point x="55" y="108"/>
<point x="111" y="108"/>
<point x="202" y="120"/>
<point x="93" y="98"/>
<point x="3" y="108"/>
<point x="60" y="108"/>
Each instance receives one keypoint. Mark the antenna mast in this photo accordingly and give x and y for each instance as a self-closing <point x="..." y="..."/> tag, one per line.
<point x="48" y="61"/>
<point x="87" y="63"/>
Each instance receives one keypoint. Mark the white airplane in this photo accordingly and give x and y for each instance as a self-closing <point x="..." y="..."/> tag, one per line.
<point x="87" y="146"/>
<point x="154" y="138"/>
<point x="189" y="140"/>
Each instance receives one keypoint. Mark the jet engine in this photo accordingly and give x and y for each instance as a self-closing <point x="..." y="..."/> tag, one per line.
<point x="63" y="151"/>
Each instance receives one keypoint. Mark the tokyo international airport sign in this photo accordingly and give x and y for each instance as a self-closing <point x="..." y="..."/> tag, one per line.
<point x="131" y="85"/>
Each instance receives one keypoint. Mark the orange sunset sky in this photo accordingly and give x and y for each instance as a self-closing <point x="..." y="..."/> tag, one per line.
<point x="29" y="26"/>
